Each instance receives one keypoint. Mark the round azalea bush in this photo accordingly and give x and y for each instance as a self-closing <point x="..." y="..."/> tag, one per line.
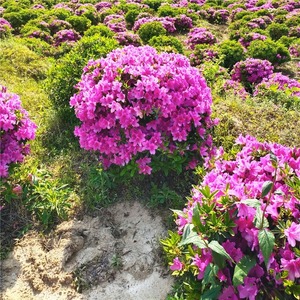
<point x="239" y="235"/>
<point x="66" y="35"/>
<point x="16" y="129"/>
<point x="251" y="71"/>
<point x="280" y="89"/>
<point x="137" y="104"/>
<point x="5" y="28"/>
<point x="200" y="35"/>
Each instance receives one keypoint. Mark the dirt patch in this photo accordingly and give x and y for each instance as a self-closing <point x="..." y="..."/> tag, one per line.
<point x="112" y="255"/>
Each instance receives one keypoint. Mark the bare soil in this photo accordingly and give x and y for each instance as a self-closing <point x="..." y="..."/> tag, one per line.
<point x="112" y="255"/>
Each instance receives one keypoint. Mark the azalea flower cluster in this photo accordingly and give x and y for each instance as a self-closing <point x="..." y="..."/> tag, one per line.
<point x="236" y="88"/>
<point x="15" y="130"/>
<point x="66" y="35"/>
<point x="115" y="22"/>
<point x="236" y="191"/>
<point x="249" y="37"/>
<point x="127" y="38"/>
<point x="167" y="22"/>
<point x="136" y="103"/>
<point x="5" y="28"/>
<point x="251" y="71"/>
<point x="200" y="35"/>
<point x="218" y="16"/>
<point x="281" y="82"/>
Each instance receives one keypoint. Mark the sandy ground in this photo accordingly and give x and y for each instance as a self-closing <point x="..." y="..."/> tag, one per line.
<point x="113" y="255"/>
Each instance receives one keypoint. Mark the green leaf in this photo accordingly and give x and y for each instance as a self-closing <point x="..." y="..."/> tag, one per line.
<point x="218" y="259"/>
<point x="266" y="188"/>
<point x="188" y="229"/>
<point x="212" y="293"/>
<point x="266" y="240"/>
<point x="216" y="247"/>
<point x="259" y="219"/>
<point x="242" y="269"/>
<point x="252" y="202"/>
<point x="179" y="213"/>
<point x="196" y="218"/>
<point x="193" y="238"/>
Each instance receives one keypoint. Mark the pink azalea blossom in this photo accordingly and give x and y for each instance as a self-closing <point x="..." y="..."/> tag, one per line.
<point x="293" y="234"/>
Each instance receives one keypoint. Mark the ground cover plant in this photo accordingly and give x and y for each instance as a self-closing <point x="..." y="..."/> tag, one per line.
<point x="167" y="97"/>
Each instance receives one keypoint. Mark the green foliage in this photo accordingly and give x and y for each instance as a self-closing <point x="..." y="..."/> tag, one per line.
<point x="276" y="31"/>
<point x="59" y="13"/>
<point x="232" y="52"/>
<point x="166" y="44"/>
<point x="130" y="16"/>
<point x="97" y="188"/>
<point x="149" y="30"/>
<point x="286" y="40"/>
<point x="79" y="23"/>
<point x="164" y="196"/>
<point x="269" y="50"/>
<point x="167" y="10"/>
<point x="154" y="4"/>
<point x="19" y="18"/>
<point x="67" y="71"/>
<point x="264" y="120"/>
<point x="18" y="59"/>
<point x="38" y="46"/>
<point x="293" y="21"/>
<point x="99" y="29"/>
<point x="47" y="199"/>
<point x="280" y="97"/>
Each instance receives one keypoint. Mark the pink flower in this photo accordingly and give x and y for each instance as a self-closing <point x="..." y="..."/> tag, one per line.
<point x="228" y="294"/>
<point x="292" y="266"/>
<point x="177" y="265"/>
<point x="17" y="190"/>
<point x="293" y="234"/>
<point x="248" y="289"/>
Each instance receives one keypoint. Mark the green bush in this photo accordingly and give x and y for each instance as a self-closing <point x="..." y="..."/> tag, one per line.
<point x="232" y="53"/>
<point x="169" y="11"/>
<point x="154" y="4"/>
<point x="59" y="13"/>
<point x="64" y="75"/>
<point x="264" y="120"/>
<point x="21" y="17"/>
<point x="38" y="46"/>
<point x="269" y="50"/>
<point x="151" y="29"/>
<point x="276" y="31"/>
<point x="286" y="41"/>
<point x="166" y="44"/>
<point x="293" y="21"/>
<point x="100" y="29"/>
<point x="130" y="16"/>
<point x="79" y="23"/>
<point x="17" y="59"/>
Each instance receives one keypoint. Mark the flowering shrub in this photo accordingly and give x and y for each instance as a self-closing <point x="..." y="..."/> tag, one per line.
<point x="167" y="23"/>
<point x="183" y="23"/>
<point x="251" y="71"/>
<point x="236" y="88"/>
<point x="66" y="35"/>
<point x="280" y="89"/>
<point x="127" y="38"/>
<point x="115" y="23"/>
<point x="239" y="235"/>
<point x="5" y="28"/>
<point x="200" y="35"/>
<point x="16" y="129"/>
<point x="202" y="53"/>
<point x="136" y="103"/>
<point x="251" y="36"/>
